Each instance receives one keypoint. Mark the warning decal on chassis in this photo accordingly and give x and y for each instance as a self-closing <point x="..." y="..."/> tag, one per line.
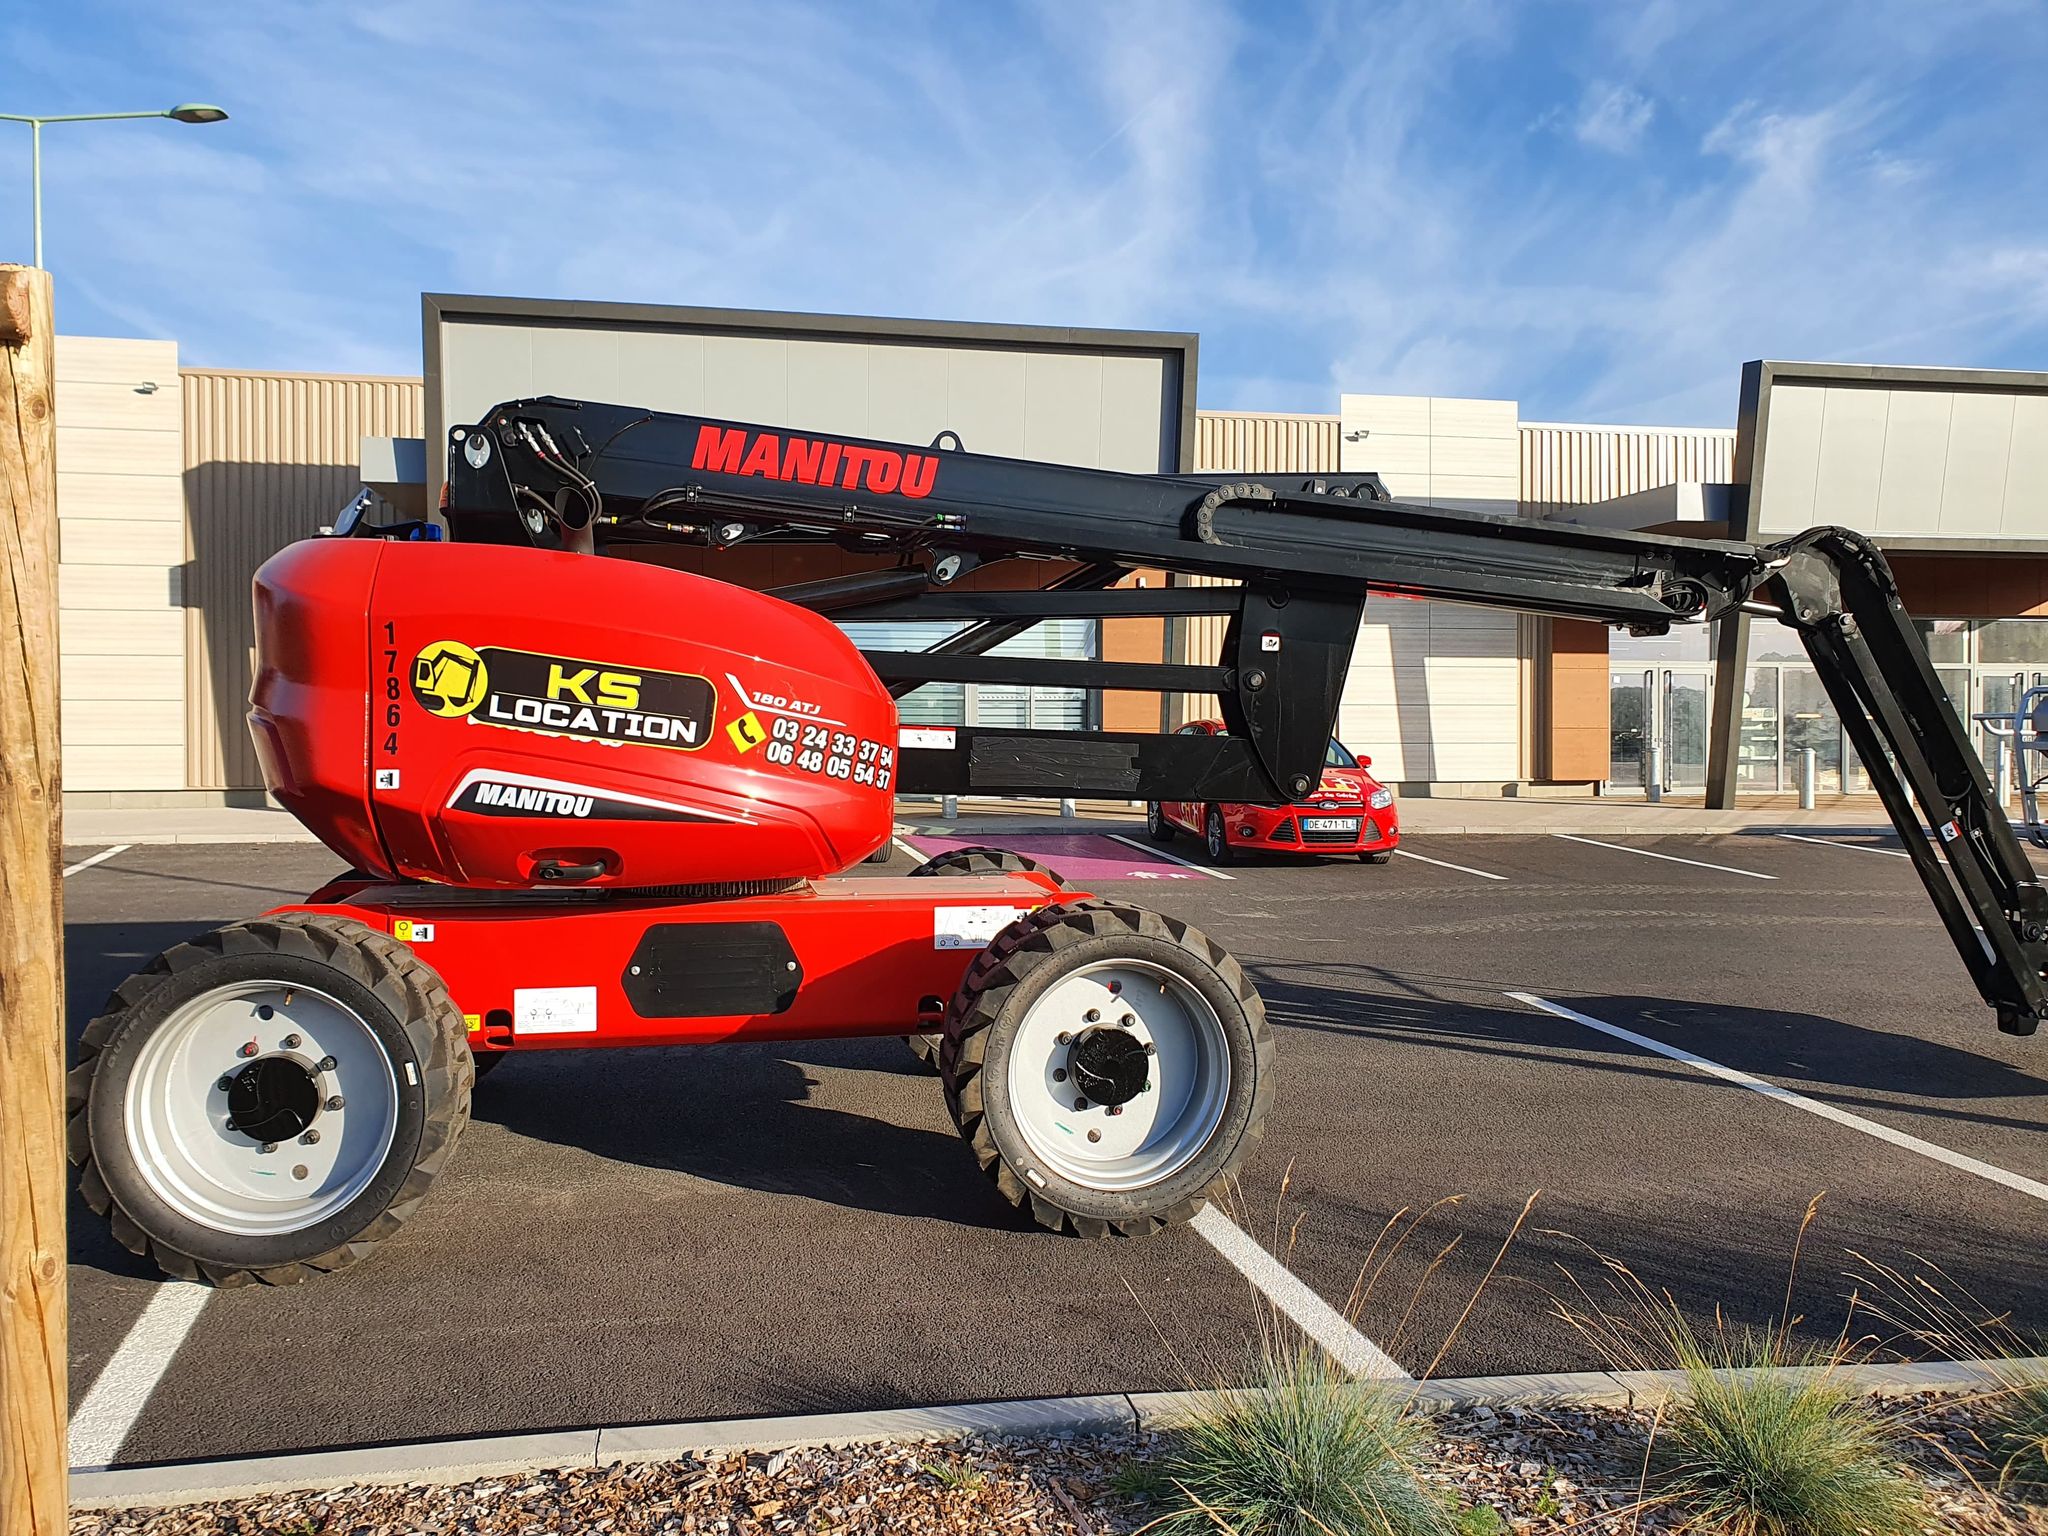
<point x="970" y="927"/>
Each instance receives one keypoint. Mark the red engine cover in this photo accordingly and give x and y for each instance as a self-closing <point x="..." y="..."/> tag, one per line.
<point x="483" y="715"/>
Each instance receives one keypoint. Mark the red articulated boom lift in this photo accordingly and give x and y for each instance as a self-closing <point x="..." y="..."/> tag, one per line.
<point x="599" y="802"/>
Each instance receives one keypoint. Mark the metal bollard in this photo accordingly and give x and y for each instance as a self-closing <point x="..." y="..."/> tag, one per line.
<point x="1067" y="807"/>
<point x="2000" y="788"/>
<point x="949" y="807"/>
<point x="1808" y="774"/>
<point x="1653" y="790"/>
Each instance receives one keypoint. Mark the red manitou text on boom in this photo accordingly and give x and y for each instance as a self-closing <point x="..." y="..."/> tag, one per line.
<point x="809" y="461"/>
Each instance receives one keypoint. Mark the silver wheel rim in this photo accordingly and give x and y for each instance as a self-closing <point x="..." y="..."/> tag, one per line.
<point x="1154" y="817"/>
<point x="1158" y="1133"/>
<point x="1217" y="841"/>
<point x="176" y="1109"/>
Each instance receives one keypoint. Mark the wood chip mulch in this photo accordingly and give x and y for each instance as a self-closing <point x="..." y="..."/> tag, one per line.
<point x="1546" y="1471"/>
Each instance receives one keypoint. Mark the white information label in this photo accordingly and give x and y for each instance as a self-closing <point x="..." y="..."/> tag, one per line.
<point x="929" y="736"/>
<point x="554" y="1010"/>
<point x="970" y="927"/>
<point x="387" y="778"/>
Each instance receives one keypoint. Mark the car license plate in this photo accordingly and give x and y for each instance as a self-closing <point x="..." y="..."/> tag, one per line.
<point x="1329" y="824"/>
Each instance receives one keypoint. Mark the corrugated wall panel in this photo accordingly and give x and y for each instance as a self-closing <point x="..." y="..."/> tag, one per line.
<point x="269" y="458"/>
<point x="1258" y="442"/>
<point x="1565" y="465"/>
<point x="1252" y="442"/>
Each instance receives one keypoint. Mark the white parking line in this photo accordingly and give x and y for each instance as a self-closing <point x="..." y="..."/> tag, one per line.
<point x="1131" y="842"/>
<point x="1447" y="864"/>
<point x="1770" y="1090"/>
<point x="1309" y="1312"/>
<point x="99" y="858"/>
<point x="917" y="854"/>
<point x="1669" y="858"/>
<point x="1897" y="853"/>
<point x="101" y="1423"/>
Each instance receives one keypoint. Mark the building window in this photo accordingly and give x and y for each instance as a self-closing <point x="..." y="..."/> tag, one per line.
<point x="1001" y="706"/>
<point x="1986" y="642"/>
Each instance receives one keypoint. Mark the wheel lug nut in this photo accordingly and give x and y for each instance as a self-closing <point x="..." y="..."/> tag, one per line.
<point x="326" y="1063"/>
<point x="1063" y="1038"/>
<point x="291" y="1042"/>
<point x="309" y="1138"/>
<point x="1059" y="1074"/>
<point x="336" y="1102"/>
<point x="1116" y="1109"/>
<point x="1095" y="1135"/>
<point x="1080" y="1103"/>
<point x="246" y="1050"/>
<point x="225" y="1084"/>
<point x="1128" y="1020"/>
<point x="1093" y="1016"/>
<point x="270" y="1146"/>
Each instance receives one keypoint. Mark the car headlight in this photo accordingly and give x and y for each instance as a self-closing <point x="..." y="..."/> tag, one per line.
<point x="1381" y="799"/>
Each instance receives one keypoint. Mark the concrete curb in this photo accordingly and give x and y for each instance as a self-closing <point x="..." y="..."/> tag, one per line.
<point x="461" y="1461"/>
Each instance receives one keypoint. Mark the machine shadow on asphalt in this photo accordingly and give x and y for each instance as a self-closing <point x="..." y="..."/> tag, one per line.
<point x="766" y="1134"/>
<point x="1808" y="1050"/>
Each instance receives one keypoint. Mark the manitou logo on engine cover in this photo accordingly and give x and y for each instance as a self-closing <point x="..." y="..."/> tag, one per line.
<point x="565" y="696"/>
<point x="812" y="461"/>
<point x="512" y="794"/>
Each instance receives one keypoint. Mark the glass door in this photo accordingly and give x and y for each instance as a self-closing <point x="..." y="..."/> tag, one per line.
<point x="1685" y="698"/>
<point x="1664" y="707"/>
<point x="1628" y="721"/>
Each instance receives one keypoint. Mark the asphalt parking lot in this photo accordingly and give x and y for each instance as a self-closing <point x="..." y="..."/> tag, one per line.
<point x="658" y="1235"/>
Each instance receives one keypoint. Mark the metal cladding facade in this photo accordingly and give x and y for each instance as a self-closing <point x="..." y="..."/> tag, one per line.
<point x="1260" y="442"/>
<point x="269" y="458"/>
<point x="157" y="632"/>
<point x="1565" y="465"/>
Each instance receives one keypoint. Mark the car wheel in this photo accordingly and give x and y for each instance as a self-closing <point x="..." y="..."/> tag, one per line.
<point x="1381" y="856"/>
<point x="1157" y="827"/>
<point x="1213" y="835"/>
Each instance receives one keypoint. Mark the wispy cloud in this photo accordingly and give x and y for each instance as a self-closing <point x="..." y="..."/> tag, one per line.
<point x="1613" y="117"/>
<point x="1337" y="197"/>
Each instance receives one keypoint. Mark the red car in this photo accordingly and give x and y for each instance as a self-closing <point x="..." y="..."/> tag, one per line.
<point x="1350" y="812"/>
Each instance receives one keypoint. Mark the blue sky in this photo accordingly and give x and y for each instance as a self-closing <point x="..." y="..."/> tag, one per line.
<point x="1601" y="210"/>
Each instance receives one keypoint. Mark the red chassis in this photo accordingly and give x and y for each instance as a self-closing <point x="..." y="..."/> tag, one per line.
<point x="833" y="958"/>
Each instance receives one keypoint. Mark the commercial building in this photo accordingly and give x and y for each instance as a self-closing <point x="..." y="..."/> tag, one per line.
<point x="175" y="483"/>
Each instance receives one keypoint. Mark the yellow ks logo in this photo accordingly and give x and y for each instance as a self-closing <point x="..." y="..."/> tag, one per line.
<point x="449" y="678"/>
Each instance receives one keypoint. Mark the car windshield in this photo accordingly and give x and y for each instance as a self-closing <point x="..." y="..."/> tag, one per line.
<point x="1338" y="757"/>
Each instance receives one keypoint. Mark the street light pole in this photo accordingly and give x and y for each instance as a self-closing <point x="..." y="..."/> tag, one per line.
<point x="184" y="112"/>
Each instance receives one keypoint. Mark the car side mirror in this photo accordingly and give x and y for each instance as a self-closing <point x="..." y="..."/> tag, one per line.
<point x="1365" y="762"/>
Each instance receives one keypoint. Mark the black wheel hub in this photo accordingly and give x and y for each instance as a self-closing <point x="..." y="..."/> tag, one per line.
<point x="272" y="1099"/>
<point x="1109" y="1066"/>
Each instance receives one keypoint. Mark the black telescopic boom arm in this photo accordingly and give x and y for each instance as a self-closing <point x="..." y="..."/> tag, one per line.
<point x="576" y="474"/>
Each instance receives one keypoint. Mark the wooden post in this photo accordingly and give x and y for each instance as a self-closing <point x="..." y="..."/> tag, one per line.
<point x="32" y="1254"/>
